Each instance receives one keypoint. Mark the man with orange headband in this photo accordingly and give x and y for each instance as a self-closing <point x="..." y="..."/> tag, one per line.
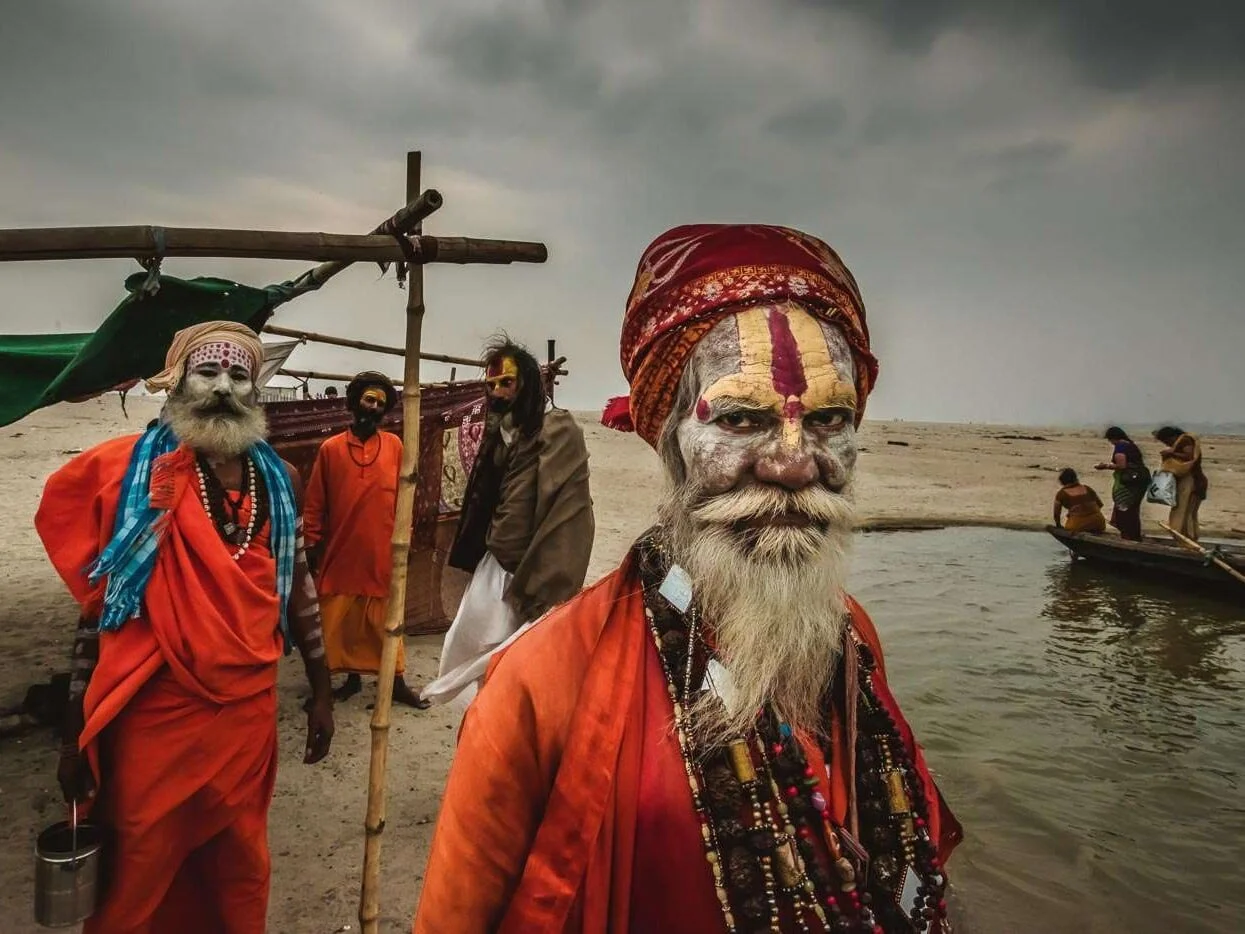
<point x="184" y="548"/>
<point x="705" y="740"/>
<point x="526" y="528"/>
<point x="351" y="499"/>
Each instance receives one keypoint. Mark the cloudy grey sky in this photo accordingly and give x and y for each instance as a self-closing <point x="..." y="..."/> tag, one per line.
<point x="1042" y="199"/>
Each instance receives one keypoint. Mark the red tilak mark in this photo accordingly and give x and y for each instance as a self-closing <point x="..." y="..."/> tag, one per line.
<point x="702" y="410"/>
<point x="786" y="367"/>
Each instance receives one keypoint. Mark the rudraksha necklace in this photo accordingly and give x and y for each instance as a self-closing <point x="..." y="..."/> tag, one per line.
<point x="779" y="860"/>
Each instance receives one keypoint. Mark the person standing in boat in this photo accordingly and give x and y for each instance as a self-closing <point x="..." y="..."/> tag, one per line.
<point x="1182" y="457"/>
<point x="1129" y="485"/>
<point x="1082" y="503"/>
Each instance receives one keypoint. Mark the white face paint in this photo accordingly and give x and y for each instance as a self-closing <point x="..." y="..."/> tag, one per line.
<point x="215" y="410"/>
<point x="209" y="382"/>
<point x="774" y="413"/>
<point x="760" y="513"/>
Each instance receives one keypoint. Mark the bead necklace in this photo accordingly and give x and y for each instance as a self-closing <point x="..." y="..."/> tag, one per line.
<point x="228" y="528"/>
<point x="365" y="465"/>
<point x="775" y="863"/>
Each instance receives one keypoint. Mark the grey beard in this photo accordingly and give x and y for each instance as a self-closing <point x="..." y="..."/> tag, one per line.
<point x="224" y="434"/>
<point x="775" y="603"/>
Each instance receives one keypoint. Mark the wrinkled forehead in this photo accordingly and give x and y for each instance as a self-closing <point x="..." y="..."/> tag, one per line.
<point x="223" y="353"/>
<point x="779" y="348"/>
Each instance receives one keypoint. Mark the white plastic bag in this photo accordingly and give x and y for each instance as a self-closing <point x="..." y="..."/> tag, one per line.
<point x="484" y="623"/>
<point x="1162" y="488"/>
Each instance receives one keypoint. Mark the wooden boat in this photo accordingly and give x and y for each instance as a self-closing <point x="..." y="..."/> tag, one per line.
<point x="1159" y="557"/>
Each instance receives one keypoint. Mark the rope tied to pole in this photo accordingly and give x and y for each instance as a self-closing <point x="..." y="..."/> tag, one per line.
<point x="151" y="285"/>
<point x="411" y="257"/>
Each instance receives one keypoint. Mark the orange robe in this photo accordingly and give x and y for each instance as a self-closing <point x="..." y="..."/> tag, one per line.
<point x="180" y="725"/>
<point x="349" y="511"/>
<point x="561" y="779"/>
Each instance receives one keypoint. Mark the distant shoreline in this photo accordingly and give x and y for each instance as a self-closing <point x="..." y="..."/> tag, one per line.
<point x="1140" y="429"/>
<point x="934" y="524"/>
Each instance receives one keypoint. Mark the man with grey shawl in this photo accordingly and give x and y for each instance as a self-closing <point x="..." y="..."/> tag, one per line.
<point x="526" y="529"/>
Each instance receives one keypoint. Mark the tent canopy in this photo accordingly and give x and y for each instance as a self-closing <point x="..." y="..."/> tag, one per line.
<point x="38" y="370"/>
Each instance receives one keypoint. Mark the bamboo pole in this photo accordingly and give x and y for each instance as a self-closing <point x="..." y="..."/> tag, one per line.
<point x="374" y="824"/>
<point x="320" y="374"/>
<point x="21" y="244"/>
<point x="367" y="345"/>
<point x="1204" y="552"/>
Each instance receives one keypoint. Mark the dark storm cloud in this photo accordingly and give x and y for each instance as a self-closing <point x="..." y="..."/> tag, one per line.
<point x="506" y="47"/>
<point x="1118" y="44"/>
<point x="976" y="166"/>
<point x="812" y="121"/>
<point x="1021" y="163"/>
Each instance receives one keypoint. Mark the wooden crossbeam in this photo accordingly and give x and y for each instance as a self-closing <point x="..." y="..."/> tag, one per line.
<point x="143" y="242"/>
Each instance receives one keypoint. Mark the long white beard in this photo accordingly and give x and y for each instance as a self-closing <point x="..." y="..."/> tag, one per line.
<point x="775" y="600"/>
<point x="222" y="434"/>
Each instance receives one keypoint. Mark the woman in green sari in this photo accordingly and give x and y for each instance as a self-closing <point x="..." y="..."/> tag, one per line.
<point x="1130" y="482"/>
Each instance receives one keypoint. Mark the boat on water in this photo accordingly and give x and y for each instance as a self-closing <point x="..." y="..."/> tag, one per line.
<point x="1160" y="557"/>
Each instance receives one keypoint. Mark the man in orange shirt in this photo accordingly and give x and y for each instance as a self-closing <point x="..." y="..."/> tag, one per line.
<point x="184" y="548"/>
<point x="704" y="741"/>
<point x="349" y="518"/>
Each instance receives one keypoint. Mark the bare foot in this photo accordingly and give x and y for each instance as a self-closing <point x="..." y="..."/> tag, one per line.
<point x="403" y="694"/>
<point x="352" y="686"/>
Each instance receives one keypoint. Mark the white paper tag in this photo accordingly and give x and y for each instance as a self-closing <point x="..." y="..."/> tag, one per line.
<point x="907" y="898"/>
<point x="677" y="588"/>
<point x="719" y="681"/>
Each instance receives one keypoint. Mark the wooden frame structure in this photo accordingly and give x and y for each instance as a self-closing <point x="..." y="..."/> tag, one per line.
<point x="399" y="239"/>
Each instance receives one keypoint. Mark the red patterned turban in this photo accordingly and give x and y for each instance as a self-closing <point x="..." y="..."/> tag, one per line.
<point x="691" y="277"/>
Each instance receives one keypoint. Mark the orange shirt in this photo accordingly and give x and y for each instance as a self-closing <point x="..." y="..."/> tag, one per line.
<point x="213" y="622"/>
<point x="542" y="815"/>
<point x="349" y="510"/>
<point x="183" y="703"/>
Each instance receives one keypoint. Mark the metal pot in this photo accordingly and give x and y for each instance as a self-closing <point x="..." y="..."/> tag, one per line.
<point x="68" y="880"/>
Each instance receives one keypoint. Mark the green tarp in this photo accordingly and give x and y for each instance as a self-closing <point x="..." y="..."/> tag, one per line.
<point x="42" y="369"/>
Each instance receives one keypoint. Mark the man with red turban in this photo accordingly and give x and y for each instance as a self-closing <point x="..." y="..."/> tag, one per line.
<point x="704" y="741"/>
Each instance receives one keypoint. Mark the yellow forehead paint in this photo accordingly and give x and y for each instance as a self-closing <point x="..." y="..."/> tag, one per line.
<point x="500" y="370"/>
<point x="785" y="366"/>
<point x="375" y="395"/>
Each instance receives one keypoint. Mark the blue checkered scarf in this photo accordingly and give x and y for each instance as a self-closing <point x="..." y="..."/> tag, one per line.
<point x="131" y="554"/>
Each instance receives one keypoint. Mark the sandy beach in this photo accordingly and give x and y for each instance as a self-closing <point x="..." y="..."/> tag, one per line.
<point x="910" y="474"/>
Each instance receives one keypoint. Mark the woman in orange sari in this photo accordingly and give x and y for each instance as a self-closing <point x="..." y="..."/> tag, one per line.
<point x="1082" y="503"/>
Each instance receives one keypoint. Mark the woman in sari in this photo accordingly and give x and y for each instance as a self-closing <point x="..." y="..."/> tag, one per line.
<point x="1082" y="502"/>
<point x="1129" y="484"/>
<point x="1182" y="457"/>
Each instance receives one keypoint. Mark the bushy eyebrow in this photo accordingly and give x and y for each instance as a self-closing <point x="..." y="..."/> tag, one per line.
<point x="732" y="405"/>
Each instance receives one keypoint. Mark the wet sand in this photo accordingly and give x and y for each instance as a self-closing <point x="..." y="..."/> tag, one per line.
<point x="910" y="474"/>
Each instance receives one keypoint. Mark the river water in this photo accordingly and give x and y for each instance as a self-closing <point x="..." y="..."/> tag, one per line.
<point x="1087" y="729"/>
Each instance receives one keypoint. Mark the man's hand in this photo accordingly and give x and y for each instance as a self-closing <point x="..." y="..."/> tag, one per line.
<point x="319" y="730"/>
<point x="73" y="773"/>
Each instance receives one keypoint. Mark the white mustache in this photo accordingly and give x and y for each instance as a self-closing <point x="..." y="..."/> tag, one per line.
<point x="222" y="404"/>
<point x="817" y="504"/>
